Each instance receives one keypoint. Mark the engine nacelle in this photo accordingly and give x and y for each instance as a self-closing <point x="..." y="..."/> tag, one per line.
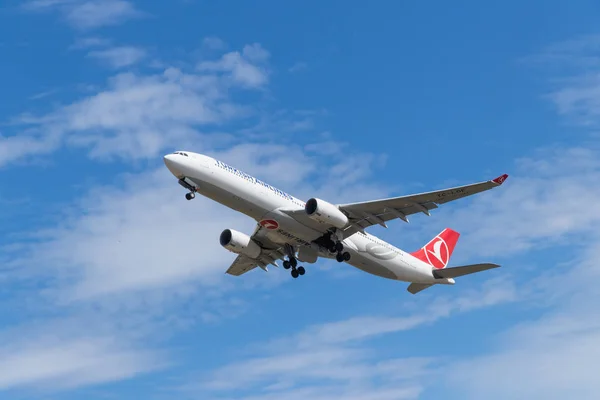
<point x="325" y="213"/>
<point x="239" y="243"/>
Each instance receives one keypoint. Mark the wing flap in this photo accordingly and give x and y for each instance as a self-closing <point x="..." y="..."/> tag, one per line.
<point x="241" y="265"/>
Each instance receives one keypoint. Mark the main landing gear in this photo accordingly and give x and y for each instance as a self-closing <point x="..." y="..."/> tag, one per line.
<point x="192" y="190"/>
<point x="336" y="246"/>
<point x="292" y="262"/>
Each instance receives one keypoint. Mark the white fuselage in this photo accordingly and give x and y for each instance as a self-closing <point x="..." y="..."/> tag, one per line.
<point x="260" y="201"/>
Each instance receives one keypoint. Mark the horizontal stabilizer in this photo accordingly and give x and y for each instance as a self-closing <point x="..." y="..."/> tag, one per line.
<point x="415" y="288"/>
<point x="455" y="272"/>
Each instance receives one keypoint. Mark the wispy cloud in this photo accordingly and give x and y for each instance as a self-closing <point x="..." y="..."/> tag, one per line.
<point x="31" y="143"/>
<point x="535" y="209"/>
<point x="328" y="359"/>
<point x="88" y="42"/>
<point x="520" y="365"/>
<point x="574" y="55"/>
<point x="42" y="95"/>
<point x="135" y="116"/>
<point x="333" y="360"/>
<point x="213" y="43"/>
<point x="119" y="57"/>
<point x="246" y="68"/>
<point x="124" y="256"/>
<point x="299" y="66"/>
<point x="119" y="244"/>
<point x="539" y="212"/>
<point x="44" y="361"/>
<point x="122" y="244"/>
<point x="576" y="92"/>
<point x="88" y="14"/>
<point x="140" y="117"/>
<point x="523" y="367"/>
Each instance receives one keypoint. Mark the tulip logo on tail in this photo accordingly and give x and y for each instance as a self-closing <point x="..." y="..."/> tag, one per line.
<point x="438" y="251"/>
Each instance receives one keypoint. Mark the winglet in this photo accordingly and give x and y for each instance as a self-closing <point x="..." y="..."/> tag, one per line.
<point x="500" y="180"/>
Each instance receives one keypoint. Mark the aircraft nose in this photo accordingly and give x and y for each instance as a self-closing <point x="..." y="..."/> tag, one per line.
<point x="171" y="163"/>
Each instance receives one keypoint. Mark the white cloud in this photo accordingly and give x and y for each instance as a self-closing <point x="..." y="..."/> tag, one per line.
<point x="17" y="148"/>
<point x="42" y="95"/>
<point x="87" y="42"/>
<point x="55" y="364"/>
<point x="548" y="357"/>
<point x="142" y="235"/>
<point x="128" y="253"/>
<point x="576" y="93"/>
<point x="551" y="204"/>
<point x="552" y="356"/>
<point x="581" y="102"/>
<point x="145" y="235"/>
<point x="537" y="208"/>
<point x="332" y="360"/>
<point x="297" y="67"/>
<point x="135" y="116"/>
<point x="88" y="14"/>
<point x="571" y="55"/>
<point x="213" y="43"/>
<point x="246" y="68"/>
<point x="139" y="117"/>
<point x="119" y="57"/>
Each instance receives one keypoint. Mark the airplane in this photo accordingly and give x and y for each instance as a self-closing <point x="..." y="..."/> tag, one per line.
<point x="292" y="230"/>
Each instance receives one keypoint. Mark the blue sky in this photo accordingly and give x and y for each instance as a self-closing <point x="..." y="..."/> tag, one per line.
<point x="113" y="286"/>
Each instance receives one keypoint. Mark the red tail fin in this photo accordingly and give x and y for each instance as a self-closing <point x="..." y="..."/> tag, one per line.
<point x="438" y="251"/>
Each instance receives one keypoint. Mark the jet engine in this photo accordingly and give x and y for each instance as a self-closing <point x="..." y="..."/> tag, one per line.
<point x="239" y="243"/>
<point x="325" y="213"/>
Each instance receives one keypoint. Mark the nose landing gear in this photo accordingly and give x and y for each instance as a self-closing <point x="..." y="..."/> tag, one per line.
<point x="192" y="190"/>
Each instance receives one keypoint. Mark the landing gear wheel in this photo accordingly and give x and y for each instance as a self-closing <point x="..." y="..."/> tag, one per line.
<point x="295" y="273"/>
<point x="339" y="257"/>
<point x="301" y="270"/>
<point x="293" y="262"/>
<point x="346" y="256"/>
<point x="190" y="195"/>
<point x="339" y="247"/>
<point x="286" y="264"/>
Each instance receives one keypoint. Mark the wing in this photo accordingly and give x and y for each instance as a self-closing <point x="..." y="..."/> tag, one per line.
<point x="365" y="214"/>
<point x="271" y="252"/>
